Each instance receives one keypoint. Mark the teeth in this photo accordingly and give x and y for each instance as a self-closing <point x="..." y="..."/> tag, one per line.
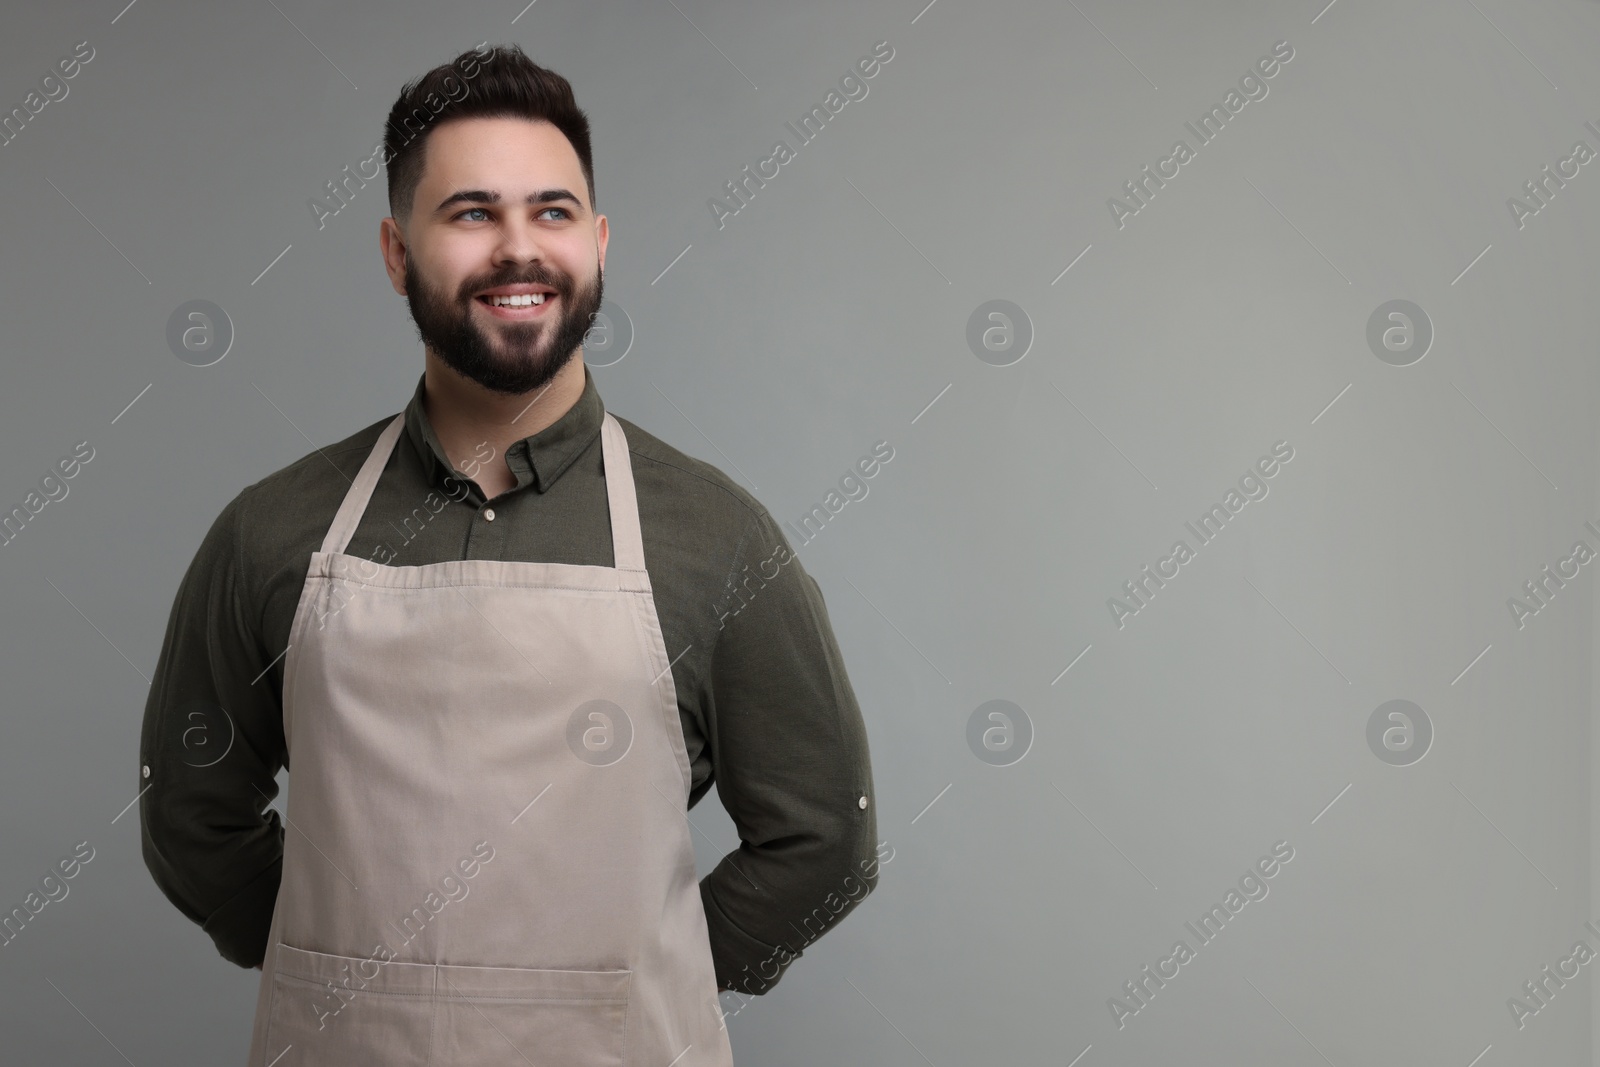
<point x="517" y="301"/>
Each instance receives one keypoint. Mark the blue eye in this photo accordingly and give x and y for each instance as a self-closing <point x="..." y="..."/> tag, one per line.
<point x="546" y="211"/>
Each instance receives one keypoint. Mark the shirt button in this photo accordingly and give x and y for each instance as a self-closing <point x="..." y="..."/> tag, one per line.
<point x="488" y="514"/>
<point x="147" y="772"/>
<point x="862" y="802"/>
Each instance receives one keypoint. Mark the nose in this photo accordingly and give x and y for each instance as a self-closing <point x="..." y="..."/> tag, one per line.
<point x="519" y="244"/>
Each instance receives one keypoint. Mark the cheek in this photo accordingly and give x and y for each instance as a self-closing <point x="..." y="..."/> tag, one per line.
<point x="449" y="264"/>
<point x="437" y="274"/>
<point x="579" y="266"/>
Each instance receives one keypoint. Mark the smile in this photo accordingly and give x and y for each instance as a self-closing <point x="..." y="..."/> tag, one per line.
<point x="532" y="306"/>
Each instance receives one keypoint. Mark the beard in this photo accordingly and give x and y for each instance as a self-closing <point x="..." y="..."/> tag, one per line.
<point x="506" y="357"/>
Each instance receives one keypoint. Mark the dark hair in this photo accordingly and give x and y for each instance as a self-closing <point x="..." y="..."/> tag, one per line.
<point x="498" y="82"/>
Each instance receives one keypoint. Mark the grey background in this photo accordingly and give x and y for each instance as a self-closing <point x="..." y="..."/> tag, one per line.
<point x="829" y="313"/>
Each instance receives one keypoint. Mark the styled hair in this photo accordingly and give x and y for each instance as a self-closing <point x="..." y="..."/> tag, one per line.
<point x="484" y="82"/>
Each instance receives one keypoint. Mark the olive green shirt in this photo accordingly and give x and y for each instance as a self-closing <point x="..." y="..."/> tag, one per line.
<point x="767" y="709"/>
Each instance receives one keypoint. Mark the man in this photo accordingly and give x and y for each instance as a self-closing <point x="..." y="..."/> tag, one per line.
<point x="494" y="713"/>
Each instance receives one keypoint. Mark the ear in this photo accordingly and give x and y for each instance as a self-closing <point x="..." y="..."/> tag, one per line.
<point x="602" y="237"/>
<point x="392" y="246"/>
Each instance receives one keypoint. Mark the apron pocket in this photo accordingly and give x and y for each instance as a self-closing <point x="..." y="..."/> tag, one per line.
<point x="511" y="1016"/>
<point x="365" y="1017"/>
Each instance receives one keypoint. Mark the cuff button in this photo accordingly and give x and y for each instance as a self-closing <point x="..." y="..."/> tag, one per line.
<point x="862" y="803"/>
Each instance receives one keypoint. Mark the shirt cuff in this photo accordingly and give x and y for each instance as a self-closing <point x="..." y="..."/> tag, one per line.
<point x="743" y="964"/>
<point x="241" y="926"/>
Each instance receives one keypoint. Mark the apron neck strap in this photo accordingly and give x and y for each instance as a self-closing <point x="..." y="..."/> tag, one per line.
<point x="355" y="500"/>
<point x="626" y="539"/>
<point x="627" y="543"/>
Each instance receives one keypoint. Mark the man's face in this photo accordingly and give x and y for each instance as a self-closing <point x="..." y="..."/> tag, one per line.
<point x="472" y="229"/>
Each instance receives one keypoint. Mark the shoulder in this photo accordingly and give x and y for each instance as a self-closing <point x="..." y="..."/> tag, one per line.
<point x="336" y="461"/>
<point x="268" y="523"/>
<point x="326" y="469"/>
<point x="705" y="531"/>
<point x="693" y="482"/>
<point x="697" y="518"/>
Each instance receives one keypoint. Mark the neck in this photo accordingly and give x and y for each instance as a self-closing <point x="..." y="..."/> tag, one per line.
<point x="464" y="414"/>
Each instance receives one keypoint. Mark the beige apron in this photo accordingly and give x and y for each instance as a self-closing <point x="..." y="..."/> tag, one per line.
<point x="487" y="857"/>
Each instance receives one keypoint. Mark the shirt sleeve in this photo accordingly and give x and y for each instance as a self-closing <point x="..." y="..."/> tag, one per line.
<point x="210" y="750"/>
<point x="790" y="758"/>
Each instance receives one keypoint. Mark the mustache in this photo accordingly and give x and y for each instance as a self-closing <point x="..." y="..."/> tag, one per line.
<point x="560" y="285"/>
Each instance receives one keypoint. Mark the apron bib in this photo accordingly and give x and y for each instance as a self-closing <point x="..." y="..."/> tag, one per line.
<point x="487" y="856"/>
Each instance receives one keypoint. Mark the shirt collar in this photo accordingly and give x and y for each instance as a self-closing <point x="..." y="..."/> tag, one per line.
<point x="538" y="460"/>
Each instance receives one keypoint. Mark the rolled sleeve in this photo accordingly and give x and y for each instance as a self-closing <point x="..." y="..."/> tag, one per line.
<point x="210" y="749"/>
<point x="792" y="769"/>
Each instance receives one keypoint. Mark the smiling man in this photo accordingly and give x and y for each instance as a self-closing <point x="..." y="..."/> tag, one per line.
<point x="527" y="694"/>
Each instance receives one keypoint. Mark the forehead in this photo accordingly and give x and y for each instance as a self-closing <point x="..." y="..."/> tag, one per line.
<point x="504" y="153"/>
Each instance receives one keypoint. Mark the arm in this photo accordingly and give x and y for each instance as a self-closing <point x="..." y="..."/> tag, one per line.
<point x="789" y="752"/>
<point x="203" y="835"/>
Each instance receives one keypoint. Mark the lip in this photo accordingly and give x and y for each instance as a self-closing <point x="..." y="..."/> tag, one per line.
<point x="517" y="314"/>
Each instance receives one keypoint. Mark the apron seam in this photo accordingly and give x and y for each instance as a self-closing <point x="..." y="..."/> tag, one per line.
<point x="433" y="1017"/>
<point x="272" y="1007"/>
<point x="539" y="586"/>
<point x="645" y="610"/>
<point x="304" y="612"/>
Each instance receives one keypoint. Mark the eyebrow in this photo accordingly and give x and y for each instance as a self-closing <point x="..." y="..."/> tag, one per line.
<point x="490" y="196"/>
